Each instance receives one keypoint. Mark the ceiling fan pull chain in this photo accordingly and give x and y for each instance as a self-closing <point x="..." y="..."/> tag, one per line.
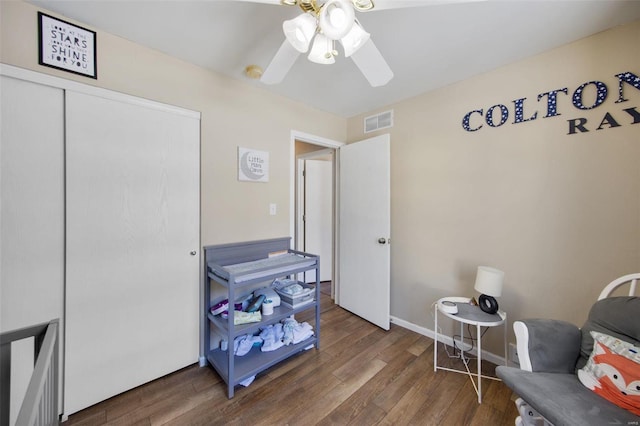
<point x="331" y="48"/>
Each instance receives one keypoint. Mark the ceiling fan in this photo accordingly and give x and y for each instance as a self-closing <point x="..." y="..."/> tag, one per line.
<point x="324" y="23"/>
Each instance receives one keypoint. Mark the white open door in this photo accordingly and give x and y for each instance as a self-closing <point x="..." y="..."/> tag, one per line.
<point x="364" y="229"/>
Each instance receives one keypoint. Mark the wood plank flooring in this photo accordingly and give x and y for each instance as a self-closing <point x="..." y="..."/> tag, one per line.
<point x="361" y="375"/>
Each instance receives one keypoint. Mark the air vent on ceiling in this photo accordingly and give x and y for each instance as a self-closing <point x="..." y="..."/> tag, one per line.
<point x="378" y="121"/>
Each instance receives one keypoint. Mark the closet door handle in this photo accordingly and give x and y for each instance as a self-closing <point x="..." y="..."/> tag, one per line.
<point x="381" y="240"/>
<point x="193" y="252"/>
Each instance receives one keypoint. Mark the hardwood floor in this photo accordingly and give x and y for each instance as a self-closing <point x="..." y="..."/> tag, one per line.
<point x="361" y="375"/>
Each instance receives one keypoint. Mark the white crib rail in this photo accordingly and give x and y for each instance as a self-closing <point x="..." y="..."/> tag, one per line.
<point x="40" y="404"/>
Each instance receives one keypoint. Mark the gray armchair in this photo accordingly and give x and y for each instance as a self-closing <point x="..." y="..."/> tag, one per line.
<point x="551" y="352"/>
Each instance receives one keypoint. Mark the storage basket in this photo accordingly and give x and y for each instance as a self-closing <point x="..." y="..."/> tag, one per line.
<point x="298" y="299"/>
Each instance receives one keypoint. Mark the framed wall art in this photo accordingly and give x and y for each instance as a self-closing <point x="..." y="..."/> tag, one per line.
<point x="66" y="46"/>
<point x="253" y="166"/>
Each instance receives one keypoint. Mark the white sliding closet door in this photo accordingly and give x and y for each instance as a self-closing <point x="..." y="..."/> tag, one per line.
<point x="132" y="224"/>
<point x="31" y="217"/>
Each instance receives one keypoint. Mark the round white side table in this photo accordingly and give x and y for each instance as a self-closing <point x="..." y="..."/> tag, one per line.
<point x="472" y="315"/>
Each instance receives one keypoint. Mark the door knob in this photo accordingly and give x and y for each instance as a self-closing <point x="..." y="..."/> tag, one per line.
<point x="193" y="252"/>
<point x="382" y="240"/>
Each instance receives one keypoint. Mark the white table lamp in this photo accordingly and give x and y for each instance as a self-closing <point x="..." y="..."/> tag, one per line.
<point x="489" y="284"/>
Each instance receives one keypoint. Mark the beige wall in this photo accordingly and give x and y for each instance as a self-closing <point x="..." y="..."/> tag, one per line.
<point x="306" y="148"/>
<point x="233" y="114"/>
<point x="559" y="213"/>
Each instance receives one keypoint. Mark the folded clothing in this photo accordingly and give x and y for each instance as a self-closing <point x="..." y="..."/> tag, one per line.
<point x="292" y="289"/>
<point x="295" y="332"/>
<point x="302" y="332"/>
<point x="281" y="283"/>
<point x="240" y="317"/>
<point x="243" y="344"/>
<point x="272" y="337"/>
<point x="246" y="382"/>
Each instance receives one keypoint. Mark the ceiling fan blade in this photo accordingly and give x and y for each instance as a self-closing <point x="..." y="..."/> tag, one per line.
<point x="371" y="63"/>
<point x="281" y="63"/>
<point x="397" y="4"/>
<point x="277" y="2"/>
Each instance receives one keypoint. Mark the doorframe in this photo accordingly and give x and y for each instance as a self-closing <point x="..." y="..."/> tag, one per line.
<point x="322" y="142"/>
<point x="100" y="92"/>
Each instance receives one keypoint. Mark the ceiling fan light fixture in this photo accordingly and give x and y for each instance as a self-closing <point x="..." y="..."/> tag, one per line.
<point x="299" y="31"/>
<point x="336" y="18"/>
<point x="363" y="5"/>
<point x="354" y="39"/>
<point x="322" y="50"/>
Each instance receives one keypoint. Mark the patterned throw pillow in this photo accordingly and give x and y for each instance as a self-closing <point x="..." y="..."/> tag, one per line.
<point x="613" y="371"/>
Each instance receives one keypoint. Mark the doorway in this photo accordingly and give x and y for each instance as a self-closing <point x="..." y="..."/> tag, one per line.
<point x="313" y="223"/>
<point x="315" y="208"/>
<point x="370" y="244"/>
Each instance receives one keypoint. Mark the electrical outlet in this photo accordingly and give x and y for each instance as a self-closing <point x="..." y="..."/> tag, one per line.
<point x="513" y="353"/>
<point x="273" y="209"/>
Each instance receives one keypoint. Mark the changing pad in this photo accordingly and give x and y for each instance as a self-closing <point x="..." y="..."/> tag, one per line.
<point x="263" y="267"/>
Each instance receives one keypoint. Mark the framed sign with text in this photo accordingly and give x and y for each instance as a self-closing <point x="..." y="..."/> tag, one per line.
<point x="253" y="166"/>
<point x="66" y="46"/>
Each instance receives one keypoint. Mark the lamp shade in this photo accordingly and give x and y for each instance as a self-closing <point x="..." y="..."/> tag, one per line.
<point x="336" y="18"/>
<point x="299" y="31"/>
<point x="354" y="39"/>
<point x="489" y="281"/>
<point x="322" y="50"/>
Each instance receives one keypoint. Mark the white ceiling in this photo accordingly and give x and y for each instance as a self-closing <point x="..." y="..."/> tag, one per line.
<point x="427" y="47"/>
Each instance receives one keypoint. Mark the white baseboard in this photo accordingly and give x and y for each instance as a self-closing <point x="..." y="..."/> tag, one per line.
<point x="489" y="356"/>
<point x="203" y="361"/>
